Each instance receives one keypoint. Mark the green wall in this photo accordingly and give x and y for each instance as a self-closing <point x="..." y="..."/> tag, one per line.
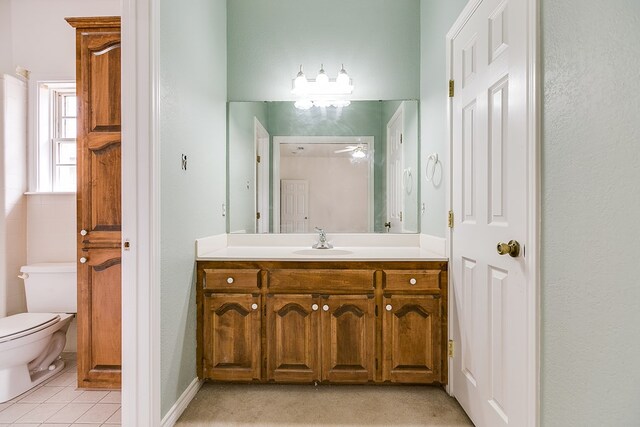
<point x="378" y="41"/>
<point x="590" y="209"/>
<point x="436" y="17"/>
<point x="192" y="122"/>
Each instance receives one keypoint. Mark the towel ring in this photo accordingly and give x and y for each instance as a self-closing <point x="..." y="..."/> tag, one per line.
<point x="407" y="180"/>
<point x="433" y="157"/>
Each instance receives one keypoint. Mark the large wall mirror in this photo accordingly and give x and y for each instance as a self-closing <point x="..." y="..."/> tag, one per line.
<point x="351" y="169"/>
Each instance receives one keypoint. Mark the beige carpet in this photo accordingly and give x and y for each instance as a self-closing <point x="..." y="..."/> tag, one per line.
<point x="324" y="405"/>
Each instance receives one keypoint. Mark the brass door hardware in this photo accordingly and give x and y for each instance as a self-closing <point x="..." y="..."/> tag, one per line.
<point x="512" y="248"/>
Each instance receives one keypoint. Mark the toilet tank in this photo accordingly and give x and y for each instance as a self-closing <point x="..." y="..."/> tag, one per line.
<point x="51" y="287"/>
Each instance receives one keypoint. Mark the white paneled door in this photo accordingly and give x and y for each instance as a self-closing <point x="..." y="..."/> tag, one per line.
<point x="488" y="54"/>
<point x="294" y="209"/>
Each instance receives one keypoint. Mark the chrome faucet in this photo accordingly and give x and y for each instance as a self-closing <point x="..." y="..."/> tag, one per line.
<point x="322" y="240"/>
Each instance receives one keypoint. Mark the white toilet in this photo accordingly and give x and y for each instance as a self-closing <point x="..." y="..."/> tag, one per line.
<point x="30" y="343"/>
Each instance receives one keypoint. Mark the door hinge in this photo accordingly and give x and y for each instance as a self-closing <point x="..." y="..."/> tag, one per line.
<point x="400" y="138"/>
<point x="450" y="219"/>
<point x="258" y="215"/>
<point x="451" y="88"/>
<point x="451" y="348"/>
<point x="258" y="159"/>
<point x="400" y="216"/>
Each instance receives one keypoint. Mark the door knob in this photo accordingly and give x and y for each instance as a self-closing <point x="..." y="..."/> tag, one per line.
<point x="512" y="248"/>
<point x="83" y="232"/>
<point x="83" y="260"/>
<point x="314" y="307"/>
<point x="230" y="280"/>
<point x="254" y="306"/>
<point x="325" y="307"/>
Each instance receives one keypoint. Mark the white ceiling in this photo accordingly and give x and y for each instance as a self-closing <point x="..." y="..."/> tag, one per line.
<point x="317" y="150"/>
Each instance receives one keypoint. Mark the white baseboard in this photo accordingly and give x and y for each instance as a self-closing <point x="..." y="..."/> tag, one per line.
<point x="181" y="404"/>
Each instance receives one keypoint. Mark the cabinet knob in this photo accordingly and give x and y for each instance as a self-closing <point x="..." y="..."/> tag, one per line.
<point x="314" y="307"/>
<point x="230" y="280"/>
<point x="83" y="260"/>
<point x="325" y="307"/>
<point x="254" y="306"/>
<point x="83" y="232"/>
<point x="412" y="281"/>
<point x="389" y="307"/>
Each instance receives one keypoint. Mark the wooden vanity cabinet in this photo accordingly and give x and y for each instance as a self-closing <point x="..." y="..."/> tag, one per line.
<point x="348" y="338"/>
<point x="335" y="322"/>
<point x="411" y="339"/>
<point x="232" y="337"/>
<point x="230" y="323"/>
<point x="412" y="332"/>
<point x="293" y="338"/>
<point x="320" y="338"/>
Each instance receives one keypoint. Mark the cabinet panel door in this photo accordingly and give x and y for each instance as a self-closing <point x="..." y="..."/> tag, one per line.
<point x="411" y="339"/>
<point x="99" y="138"/>
<point x="292" y="338"/>
<point x="99" y="319"/>
<point x="348" y="338"/>
<point x="99" y="209"/>
<point x="232" y="337"/>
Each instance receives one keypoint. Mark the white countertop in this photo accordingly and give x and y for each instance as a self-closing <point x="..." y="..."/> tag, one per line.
<point x="374" y="247"/>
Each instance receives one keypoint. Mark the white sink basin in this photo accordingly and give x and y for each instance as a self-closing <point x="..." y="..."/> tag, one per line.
<point x="322" y="252"/>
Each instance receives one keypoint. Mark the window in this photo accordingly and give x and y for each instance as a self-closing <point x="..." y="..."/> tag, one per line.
<point x="57" y="130"/>
<point x="64" y="140"/>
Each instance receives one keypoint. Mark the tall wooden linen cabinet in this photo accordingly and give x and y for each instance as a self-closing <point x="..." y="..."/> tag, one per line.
<point x="99" y="213"/>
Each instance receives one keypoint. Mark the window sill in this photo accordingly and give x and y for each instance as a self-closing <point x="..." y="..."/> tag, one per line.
<point x="49" y="193"/>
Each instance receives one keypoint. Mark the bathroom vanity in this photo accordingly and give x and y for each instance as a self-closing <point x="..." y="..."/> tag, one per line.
<point x="346" y="315"/>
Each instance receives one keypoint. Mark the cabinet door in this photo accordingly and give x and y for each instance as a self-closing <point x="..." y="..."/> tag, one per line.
<point x="292" y="338"/>
<point x="99" y="210"/>
<point x="411" y="339"/>
<point x="99" y="319"/>
<point x="232" y="337"/>
<point x="348" y="338"/>
<point x="99" y="138"/>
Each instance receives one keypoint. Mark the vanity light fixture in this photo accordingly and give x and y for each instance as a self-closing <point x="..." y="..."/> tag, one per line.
<point x="322" y="91"/>
<point x="359" y="153"/>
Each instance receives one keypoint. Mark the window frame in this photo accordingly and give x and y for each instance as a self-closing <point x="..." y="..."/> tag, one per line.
<point x="49" y="135"/>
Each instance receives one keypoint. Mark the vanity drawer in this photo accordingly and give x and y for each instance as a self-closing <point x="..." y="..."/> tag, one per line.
<point x="232" y="280"/>
<point x="412" y="280"/>
<point x="321" y="280"/>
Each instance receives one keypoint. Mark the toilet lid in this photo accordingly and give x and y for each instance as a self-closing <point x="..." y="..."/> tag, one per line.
<point x="22" y="324"/>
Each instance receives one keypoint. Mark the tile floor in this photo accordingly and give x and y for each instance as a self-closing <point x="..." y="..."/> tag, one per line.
<point x="57" y="402"/>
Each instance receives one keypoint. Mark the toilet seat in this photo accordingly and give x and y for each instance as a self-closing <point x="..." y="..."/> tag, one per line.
<point x="22" y="324"/>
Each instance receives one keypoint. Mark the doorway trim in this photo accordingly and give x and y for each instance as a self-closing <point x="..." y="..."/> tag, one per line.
<point x="279" y="140"/>
<point x="140" y="213"/>
<point x="262" y="149"/>
<point x="533" y="196"/>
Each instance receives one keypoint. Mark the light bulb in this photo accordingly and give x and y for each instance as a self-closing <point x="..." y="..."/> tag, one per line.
<point x="300" y="83"/>
<point x="343" y="79"/>
<point x="359" y="154"/>
<point x="303" y="104"/>
<point x="322" y="78"/>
